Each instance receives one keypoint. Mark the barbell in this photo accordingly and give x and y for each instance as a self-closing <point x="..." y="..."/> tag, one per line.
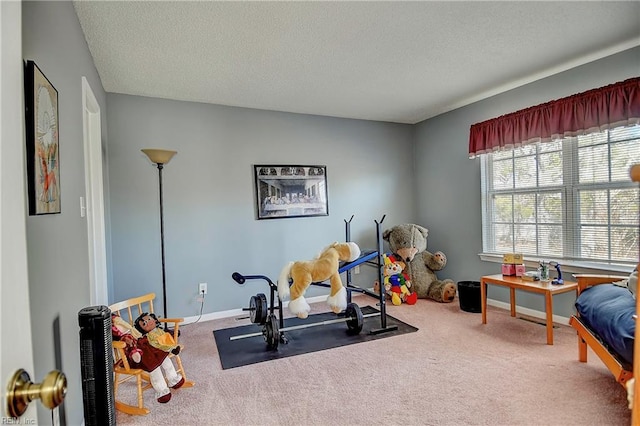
<point x="271" y="332"/>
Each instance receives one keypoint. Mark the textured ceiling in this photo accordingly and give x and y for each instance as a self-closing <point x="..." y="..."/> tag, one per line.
<point x="388" y="61"/>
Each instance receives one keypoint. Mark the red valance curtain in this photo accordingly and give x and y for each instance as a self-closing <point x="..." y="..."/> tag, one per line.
<point x="588" y="112"/>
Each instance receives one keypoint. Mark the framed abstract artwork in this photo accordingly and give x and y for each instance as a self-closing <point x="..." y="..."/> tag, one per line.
<point x="43" y="153"/>
<point x="284" y="191"/>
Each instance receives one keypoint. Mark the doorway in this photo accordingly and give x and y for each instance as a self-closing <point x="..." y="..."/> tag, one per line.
<point x="93" y="206"/>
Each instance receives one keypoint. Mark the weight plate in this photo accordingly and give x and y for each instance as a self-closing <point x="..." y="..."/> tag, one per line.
<point x="356" y="320"/>
<point x="253" y="308"/>
<point x="271" y="332"/>
<point x="262" y="318"/>
<point x="258" y="309"/>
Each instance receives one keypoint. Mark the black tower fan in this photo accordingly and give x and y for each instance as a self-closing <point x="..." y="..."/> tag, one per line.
<point x="96" y="359"/>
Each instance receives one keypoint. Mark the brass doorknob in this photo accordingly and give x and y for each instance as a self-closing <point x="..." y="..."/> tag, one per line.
<point x="21" y="391"/>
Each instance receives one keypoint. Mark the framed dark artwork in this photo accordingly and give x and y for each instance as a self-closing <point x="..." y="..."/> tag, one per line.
<point x="284" y="191"/>
<point x="43" y="154"/>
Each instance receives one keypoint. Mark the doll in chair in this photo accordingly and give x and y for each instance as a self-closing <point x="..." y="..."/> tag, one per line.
<point x="156" y="344"/>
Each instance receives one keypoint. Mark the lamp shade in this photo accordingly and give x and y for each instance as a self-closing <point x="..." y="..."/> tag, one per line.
<point x="159" y="156"/>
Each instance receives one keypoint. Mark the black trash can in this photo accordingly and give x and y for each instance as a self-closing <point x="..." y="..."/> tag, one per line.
<point x="469" y="296"/>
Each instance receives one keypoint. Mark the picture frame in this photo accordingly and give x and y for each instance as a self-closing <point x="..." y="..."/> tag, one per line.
<point x="42" y="138"/>
<point x="288" y="191"/>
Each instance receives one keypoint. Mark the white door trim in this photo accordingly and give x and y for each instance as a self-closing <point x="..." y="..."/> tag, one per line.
<point x="16" y="346"/>
<point x="94" y="205"/>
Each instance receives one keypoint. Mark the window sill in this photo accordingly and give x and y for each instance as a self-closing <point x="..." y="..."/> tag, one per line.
<point x="570" y="267"/>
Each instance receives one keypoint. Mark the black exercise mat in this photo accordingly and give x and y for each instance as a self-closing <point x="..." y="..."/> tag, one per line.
<point x="236" y="353"/>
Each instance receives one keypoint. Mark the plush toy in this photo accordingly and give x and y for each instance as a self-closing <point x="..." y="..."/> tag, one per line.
<point x="630" y="385"/>
<point x="156" y="344"/>
<point x="123" y="331"/>
<point x="409" y="243"/>
<point x="396" y="281"/>
<point x="324" y="267"/>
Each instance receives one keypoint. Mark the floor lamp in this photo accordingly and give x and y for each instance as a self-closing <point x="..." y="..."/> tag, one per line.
<point x="160" y="157"/>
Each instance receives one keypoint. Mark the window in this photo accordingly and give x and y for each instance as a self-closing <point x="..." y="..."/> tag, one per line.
<point x="569" y="198"/>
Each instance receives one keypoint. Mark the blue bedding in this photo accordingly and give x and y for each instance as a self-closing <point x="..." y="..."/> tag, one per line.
<point x="608" y="310"/>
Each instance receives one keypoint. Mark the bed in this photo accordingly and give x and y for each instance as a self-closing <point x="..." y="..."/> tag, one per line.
<point x="617" y="358"/>
<point x="605" y="322"/>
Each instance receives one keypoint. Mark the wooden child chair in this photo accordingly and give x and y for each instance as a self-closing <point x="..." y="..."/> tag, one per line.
<point x="129" y="310"/>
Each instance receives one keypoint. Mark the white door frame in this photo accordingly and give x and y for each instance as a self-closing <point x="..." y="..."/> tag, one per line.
<point x="16" y="349"/>
<point x="94" y="206"/>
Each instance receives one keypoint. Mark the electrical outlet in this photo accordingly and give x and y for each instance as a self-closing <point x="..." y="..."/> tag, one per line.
<point x="203" y="288"/>
<point x="356" y="269"/>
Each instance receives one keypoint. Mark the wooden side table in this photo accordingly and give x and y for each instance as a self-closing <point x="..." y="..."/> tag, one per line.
<point x="517" y="283"/>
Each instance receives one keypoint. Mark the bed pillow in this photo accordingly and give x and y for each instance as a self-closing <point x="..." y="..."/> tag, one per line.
<point x="608" y="310"/>
<point x="632" y="284"/>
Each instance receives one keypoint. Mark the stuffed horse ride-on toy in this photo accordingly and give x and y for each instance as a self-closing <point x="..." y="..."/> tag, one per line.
<point x="322" y="268"/>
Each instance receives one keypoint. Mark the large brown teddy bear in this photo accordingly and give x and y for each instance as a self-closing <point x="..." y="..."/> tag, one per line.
<point x="409" y="242"/>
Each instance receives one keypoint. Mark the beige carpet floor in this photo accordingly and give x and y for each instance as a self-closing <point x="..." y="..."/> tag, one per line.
<point x="453" y="371"/>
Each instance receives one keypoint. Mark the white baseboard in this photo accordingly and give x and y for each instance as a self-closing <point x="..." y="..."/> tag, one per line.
<point x="529" y="312"/>
<point x="491" y="302"/>
<point x="239" y="312"/>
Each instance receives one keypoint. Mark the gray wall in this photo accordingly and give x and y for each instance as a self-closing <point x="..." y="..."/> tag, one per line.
<point x="209" y="199"/>
<point x="57" y="244"/>
<point x="449" y="201"/>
